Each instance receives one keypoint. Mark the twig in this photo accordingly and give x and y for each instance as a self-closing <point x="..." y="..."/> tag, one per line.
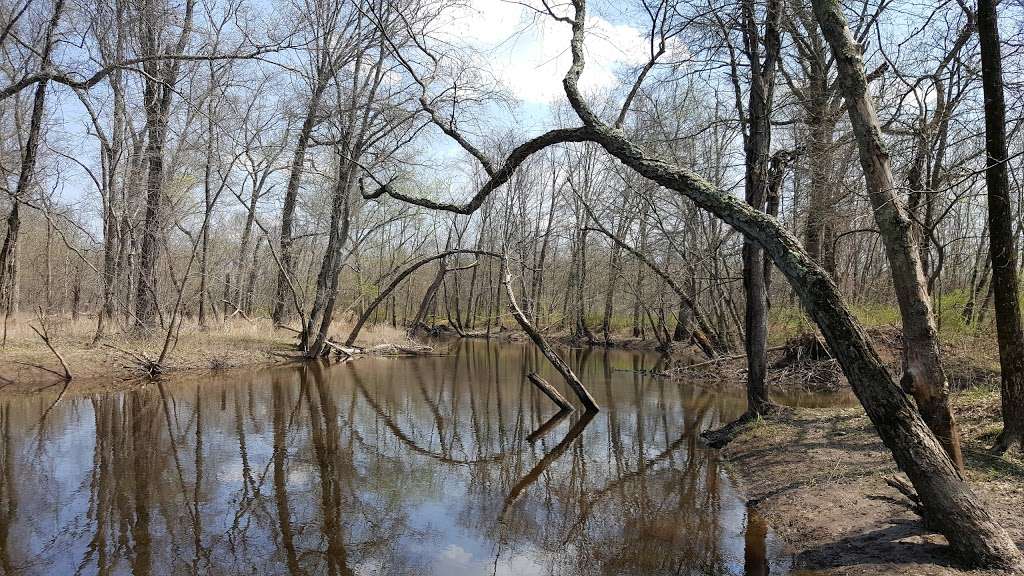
<point x="147" y="365"/>
<point x="726" y="358"/>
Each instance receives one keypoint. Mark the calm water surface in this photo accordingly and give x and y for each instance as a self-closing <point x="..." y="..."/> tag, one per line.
<point x="446" y="465"/>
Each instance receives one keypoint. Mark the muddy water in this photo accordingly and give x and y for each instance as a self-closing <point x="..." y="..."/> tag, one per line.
<point x="447" y="465"/>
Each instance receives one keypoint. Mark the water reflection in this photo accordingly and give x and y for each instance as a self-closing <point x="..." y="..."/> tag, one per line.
<point x="441" y="465"/>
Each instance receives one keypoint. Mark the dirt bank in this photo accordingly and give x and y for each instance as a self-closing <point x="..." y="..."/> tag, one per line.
<point x="817" y="476"/>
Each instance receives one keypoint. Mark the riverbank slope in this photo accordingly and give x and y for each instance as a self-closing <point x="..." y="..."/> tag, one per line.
<point x="818" y="478"/>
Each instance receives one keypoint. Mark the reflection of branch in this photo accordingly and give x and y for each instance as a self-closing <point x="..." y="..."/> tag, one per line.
<point x="389" y="423"/>
<point x="548" y="458"/>
<point x="42" y="419"/>
<point x="642" y="469"/>
<point x="546" y="427"/>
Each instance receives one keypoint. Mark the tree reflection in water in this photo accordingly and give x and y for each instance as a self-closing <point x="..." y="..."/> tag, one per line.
<point x="438" y="465"/>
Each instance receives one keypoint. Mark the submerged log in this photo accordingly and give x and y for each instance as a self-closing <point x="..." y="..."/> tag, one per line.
<point x="570" y="377"/>
<point x="550" y="391"/>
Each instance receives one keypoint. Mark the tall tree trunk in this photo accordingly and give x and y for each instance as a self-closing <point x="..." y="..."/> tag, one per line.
<point x="9" y="250"/>
<point x="923" y="375"/>
<point x="1001" y="241"/>
<point x="757" y="145"/>
<point x="204" y="256"/>
<point x="9" y="264"/>
<point x="145" y="297"/>
<point x="161" y="76"/>
<point x="819" y="232"/>
<point x="322" y="313"/>
<point x="291" y="196"/>
<point x="250" y="286"/>
<point x="614" y="259"/>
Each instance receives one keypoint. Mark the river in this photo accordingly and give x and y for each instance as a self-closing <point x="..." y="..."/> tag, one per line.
<point x="444" y="465"/>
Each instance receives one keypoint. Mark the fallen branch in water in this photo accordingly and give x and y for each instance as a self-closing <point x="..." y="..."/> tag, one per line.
<point x="570" y="377"/>
<point x="550" y="391"/>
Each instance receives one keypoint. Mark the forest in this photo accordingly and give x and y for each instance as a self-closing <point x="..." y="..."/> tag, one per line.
<point x="766" y="195"/>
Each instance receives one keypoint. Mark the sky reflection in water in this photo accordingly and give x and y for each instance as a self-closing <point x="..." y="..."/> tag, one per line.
<point x="448" y="465"/>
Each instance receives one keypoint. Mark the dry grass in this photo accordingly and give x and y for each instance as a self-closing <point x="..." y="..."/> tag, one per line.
<point x="26" y="362"/>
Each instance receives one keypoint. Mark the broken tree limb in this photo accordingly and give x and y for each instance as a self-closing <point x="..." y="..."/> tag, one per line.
<point x="570" y="377"/>
<point x="550" y="391"/>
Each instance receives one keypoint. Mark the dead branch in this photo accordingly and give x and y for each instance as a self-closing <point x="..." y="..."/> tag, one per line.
<point x="44" y="335"/>
<point x="570" y="377"/>
<point x="550" y="391"/>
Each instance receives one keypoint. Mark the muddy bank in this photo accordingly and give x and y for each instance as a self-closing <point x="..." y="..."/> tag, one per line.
<point x="818" y="478"/>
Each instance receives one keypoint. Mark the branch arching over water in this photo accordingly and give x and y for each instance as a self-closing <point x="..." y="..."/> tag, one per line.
<point x="398" y="280"/>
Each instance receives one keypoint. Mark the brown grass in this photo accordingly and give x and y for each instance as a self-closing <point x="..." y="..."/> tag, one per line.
<point x="25" y="362"/>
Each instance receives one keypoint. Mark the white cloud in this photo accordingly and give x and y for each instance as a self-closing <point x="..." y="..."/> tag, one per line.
<point x="529" y="54"/>
<point x="456" y="554"/>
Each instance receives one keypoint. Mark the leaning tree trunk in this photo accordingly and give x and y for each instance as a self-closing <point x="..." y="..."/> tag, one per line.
<point x="946" y="498"/>
<point x="923" y="375"/>
<point x="1001" y="241"/>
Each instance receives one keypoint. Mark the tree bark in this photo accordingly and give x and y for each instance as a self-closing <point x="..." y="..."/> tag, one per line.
<point x="160" y="78"/>
<point x="1002" y="246"/>
<point x="757" y="146"/>
<point x="923" y="374"/>
<point x="291" y="196"/>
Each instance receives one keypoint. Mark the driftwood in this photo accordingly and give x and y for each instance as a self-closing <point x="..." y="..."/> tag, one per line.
<point x="145" y="363"/>
<point x="550" y="391"/>
<point x="570" y="377"/>
<point x="389" y="349"/>
<point x="341" y="350"/>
